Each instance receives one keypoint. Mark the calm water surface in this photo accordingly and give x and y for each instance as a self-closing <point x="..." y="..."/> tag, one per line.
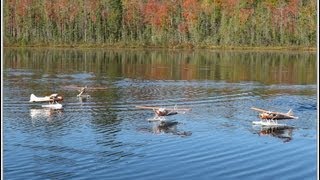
<point x="106" y="137"/>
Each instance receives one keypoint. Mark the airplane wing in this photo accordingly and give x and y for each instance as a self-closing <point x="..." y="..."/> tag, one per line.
<point x="260" y="110"/>
<point x="147" y="107"/>
<point x="170" y="109"/>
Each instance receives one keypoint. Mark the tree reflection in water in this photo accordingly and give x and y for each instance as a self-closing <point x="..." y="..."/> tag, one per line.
<point x="230" y="66"/>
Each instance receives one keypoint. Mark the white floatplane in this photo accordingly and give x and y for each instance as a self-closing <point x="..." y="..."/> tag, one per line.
<point x="270" y="118"/>
<point x="53" y="100"/>
<point x="161" y="112"/>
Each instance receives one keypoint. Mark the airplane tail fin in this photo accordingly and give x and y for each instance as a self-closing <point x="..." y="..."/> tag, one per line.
<point x="32" y="98"/>
<point x="290" y="112"/>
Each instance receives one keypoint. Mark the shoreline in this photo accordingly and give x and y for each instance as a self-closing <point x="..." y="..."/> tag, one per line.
<point x="177" y="47"/>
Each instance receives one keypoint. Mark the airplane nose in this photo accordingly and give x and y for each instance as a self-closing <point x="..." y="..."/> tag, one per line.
<point x="263" y="116"/>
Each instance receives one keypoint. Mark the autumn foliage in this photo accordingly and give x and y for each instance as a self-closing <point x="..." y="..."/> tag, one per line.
<point x="161" y="22"/>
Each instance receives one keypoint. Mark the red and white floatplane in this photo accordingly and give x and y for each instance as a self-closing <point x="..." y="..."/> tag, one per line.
<point x="270" y="118"/>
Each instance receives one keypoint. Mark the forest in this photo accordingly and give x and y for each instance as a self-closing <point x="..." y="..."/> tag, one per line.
<point x="160" y="23"/>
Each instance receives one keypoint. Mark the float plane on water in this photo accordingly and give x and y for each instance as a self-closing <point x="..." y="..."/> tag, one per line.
<point x="269" y="118"/>
<point x="161" y="112"/>
<point x="53" y="100"/>
<point x="83" y="92"/>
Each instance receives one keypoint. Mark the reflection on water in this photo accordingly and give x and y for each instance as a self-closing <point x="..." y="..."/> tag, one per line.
<point x="102" y="134"/>
<point x="83" y="98"/>
<point x="166" y="127"/>
<point x="45" y="112"/>
<point x="266" y="67"/>
<point x="45" y="115"/>
<point x="282" y="132"/>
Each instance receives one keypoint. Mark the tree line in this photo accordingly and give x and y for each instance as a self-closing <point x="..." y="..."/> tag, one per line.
<point x="166" y="23"/>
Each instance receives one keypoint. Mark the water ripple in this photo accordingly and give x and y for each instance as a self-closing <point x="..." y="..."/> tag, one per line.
<point x="108" y="136"/>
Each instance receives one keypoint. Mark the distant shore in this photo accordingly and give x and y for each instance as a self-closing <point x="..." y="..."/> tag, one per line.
<point x="169" y="47"/>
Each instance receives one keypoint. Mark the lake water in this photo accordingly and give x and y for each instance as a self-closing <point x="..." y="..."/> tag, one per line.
<point x="107" y="137"/>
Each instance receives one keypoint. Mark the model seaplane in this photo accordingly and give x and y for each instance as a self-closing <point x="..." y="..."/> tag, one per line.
<point x="270" y="118"/>
<point x="83" y="93"/>
<point x="53" y="100"/>
<point x="161" y="112"/>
